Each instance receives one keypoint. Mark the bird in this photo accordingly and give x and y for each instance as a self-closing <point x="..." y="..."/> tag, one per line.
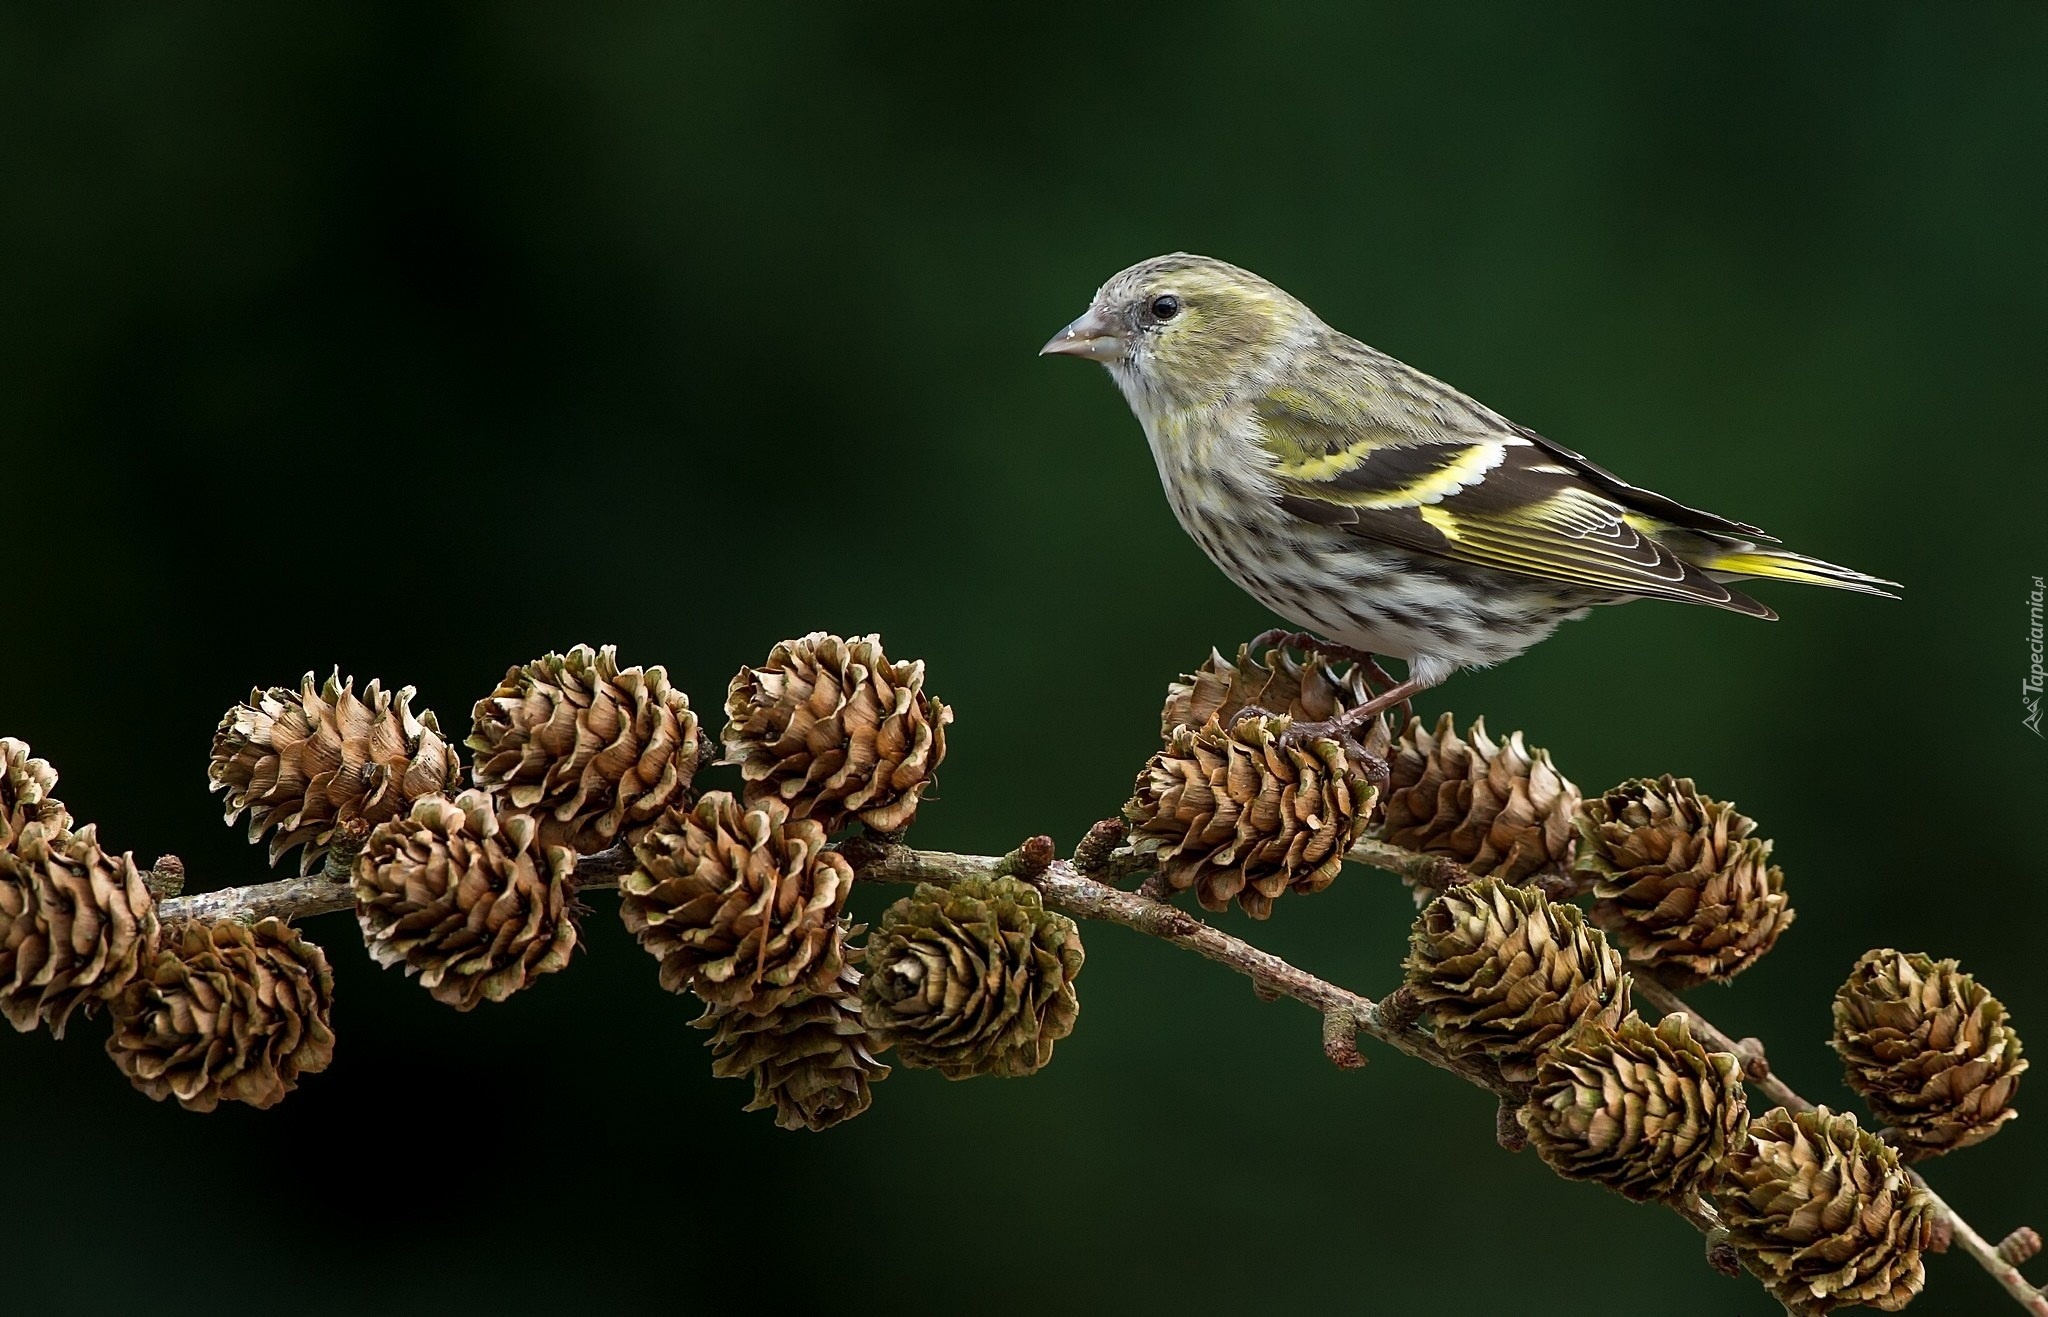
<point x="1378" y="507"/>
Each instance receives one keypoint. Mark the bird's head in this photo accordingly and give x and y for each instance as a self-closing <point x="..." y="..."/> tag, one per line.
<point x="1183" y="329"/>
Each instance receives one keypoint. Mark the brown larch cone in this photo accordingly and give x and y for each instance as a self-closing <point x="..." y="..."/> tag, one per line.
<point x="1648" y="1112"/>
<point x="595" y="751"/>
<point x="972" y="979"/>
<point x="1310" y="689"/>
<point x="26" y="785"/>
<point x="1681" y="885"/>
<point x="76" y="924"/>
<point x="836" y="731"/>
<point x="1503" y="972"/>
<point x="740" y="903"/>
<point x="1822" y="1211"/>
<point x="1496" y="808"/>
<point x="1234" y="811"/>
<point x="1929" y="1049"/>
<point x="809" y="1058"/>
<point x="226" y="1012"/>
<point x="310" y="763"/>
<point x="466" y="898"/>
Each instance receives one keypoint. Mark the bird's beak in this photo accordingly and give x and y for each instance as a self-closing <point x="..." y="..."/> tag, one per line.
<point x="1092" y="336"/>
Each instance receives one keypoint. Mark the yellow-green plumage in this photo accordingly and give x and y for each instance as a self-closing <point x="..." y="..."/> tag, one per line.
<point x="1359" y="497"/>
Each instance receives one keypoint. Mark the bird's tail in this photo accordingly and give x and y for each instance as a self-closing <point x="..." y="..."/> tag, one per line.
<point x="1776" y="565"/>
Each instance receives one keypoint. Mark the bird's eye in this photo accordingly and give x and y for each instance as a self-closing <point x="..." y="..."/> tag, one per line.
<point x="1165" y="306"/>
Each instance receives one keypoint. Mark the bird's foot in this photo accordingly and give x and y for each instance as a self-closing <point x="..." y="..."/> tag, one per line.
<point x="1363" y="729"/>
<point x="1299" y="732"/>
<point x="1282" y="638"/>
<point x="1376" y="677"/>
<point x="1364" y="740"/>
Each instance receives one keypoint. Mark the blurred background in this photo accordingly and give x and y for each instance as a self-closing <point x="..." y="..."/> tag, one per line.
<point x="421" y="339"/>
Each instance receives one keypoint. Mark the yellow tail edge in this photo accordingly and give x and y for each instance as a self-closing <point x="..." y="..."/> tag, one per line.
<point x="1771" y="565"/>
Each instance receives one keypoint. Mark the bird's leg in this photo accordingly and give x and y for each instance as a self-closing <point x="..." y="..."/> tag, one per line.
<point x="1346" y="728"/>
<point x="1375" y="675"/>
<point x="1402" y="693"/>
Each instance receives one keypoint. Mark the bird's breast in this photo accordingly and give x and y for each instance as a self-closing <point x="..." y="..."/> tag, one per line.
<point x="1211" y="481"/>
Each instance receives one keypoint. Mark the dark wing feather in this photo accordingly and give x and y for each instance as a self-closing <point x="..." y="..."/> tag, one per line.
<point x="1494" y="502"/>
<point x="1643" y="500"/>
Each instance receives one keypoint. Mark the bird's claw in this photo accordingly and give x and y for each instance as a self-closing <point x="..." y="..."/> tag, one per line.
<point x="1368" y="751"/>
<point x="1282" y="638"/>
<point x="1249" y="712"/>
<point x="1376" y="677"/>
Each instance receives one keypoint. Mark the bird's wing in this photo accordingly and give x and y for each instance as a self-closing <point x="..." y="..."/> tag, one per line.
<point x="1492" y="499"/>
<point x="1643" y="500"/>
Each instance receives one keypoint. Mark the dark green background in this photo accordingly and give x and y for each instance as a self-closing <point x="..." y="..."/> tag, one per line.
<point x="421" y="339"/>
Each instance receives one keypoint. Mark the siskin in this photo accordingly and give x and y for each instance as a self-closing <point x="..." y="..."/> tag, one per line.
<point x="1360" y="497"/>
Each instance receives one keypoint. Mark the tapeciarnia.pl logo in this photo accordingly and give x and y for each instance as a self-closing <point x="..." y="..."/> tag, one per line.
<point x="2030" y="689"/>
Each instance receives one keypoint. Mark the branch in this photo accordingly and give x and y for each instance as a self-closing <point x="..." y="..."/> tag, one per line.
<point x="1429" y="874"/>
<point x="325" y="892"/>
<point x="287" y="898"/>
<point x="1066" y="888"/>
<point x="1061" y="883"/>
<point x="1757" y="1070"/>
